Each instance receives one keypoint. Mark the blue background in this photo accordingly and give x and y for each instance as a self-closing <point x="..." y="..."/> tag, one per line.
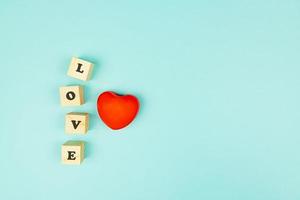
<point x="218" y="83"/>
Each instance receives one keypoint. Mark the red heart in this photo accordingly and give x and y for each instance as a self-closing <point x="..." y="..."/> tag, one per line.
<point x="117" y="111"/>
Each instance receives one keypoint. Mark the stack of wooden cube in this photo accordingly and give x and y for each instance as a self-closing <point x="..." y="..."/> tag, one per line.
<point x="72" y="152"/>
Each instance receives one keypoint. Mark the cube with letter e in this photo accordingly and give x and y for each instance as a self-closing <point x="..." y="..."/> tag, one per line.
<point x="72" y="152"/>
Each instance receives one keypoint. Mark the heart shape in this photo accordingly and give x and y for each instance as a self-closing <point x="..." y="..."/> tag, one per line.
<point x="117" y="111"/>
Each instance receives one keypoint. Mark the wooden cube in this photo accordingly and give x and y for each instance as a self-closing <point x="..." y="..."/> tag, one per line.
<point x="71" y="96"/>
<point x="72" y="152"/>
<point x="80" y="69"/>
<point x="76" y="123"/>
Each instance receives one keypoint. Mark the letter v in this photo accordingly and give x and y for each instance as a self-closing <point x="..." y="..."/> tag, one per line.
<point x="75" y="125"/>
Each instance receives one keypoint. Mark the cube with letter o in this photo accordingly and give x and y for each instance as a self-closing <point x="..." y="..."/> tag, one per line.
<point x="71" y="95"/>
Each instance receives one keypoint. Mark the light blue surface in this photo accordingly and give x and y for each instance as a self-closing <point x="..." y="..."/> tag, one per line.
<point x="219" y="88"/>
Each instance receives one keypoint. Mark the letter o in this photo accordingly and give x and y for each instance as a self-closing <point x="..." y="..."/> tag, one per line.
<point x="70" y="95"/>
